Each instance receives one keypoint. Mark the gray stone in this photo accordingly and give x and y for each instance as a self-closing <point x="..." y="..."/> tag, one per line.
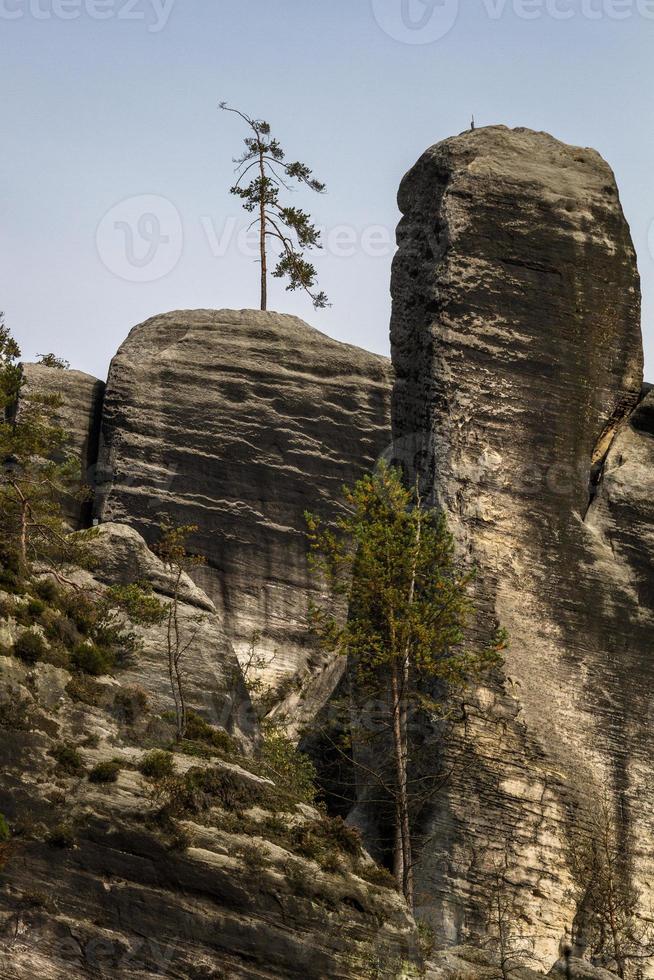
<point x="81" y="406"/>
<point x="578" y="969"/>
<point x="517" y="351"/>
<point x="213" y="684"/>
<point x="122" y="892"/>
<point x="238" y="422"/>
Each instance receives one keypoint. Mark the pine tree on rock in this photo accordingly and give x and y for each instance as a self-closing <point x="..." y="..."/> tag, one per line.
<point x="263" y="164"/>
<point x="37" y="469"/>
<point x="390" y="563"/>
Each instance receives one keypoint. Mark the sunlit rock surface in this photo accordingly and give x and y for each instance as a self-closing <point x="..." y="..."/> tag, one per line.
<point x="517" y="352"/>
<point x="238" y="422"/>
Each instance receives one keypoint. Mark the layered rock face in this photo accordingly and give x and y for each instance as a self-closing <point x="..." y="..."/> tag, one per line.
<point x="213" y="684"/>
<point x="238" y="422"/>
<point x="517" y="351"/>
<point x="79" y="413"/>
<point x="122" y="878"/>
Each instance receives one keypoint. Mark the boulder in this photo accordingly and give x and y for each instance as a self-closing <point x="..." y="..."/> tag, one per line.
<point x="238" y="422"/>
<point x="213" y="683"/>
<point x="518" y="359"/>
<point x="79" y="414"/>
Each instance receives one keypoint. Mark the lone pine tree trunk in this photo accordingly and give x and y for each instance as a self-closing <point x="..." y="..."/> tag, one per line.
<point x="403" y="858"/>
<point x="262" y="232"/>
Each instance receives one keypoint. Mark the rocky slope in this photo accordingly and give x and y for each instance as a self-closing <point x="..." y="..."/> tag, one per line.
<point x="80" y="397"/>
<point x="202" y="870"/>
<point x="238" y="422"/>
<point x="517" y="351"/>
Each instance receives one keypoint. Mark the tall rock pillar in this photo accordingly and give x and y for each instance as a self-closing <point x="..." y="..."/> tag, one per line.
<point x="518" y="359"/>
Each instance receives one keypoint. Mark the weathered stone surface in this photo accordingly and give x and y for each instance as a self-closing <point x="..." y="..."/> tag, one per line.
<point x="213" y="683"/>
<point x="238" y="422"/>
<point x="96" y="882"/>
<point x="470" y="963"/>
<point x="517" y="352"/>
<point x="81" y="407"/>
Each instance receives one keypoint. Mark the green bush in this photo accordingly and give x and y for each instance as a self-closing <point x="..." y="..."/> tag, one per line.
<point x="35" y="608"/>
<point x="5" y="832"/>
<point x="375" y="874"/>
<point x="325" y="838"/>
<point x="81" y="609"/>
<point x="46" y="589"/>
<point x="105" y="772"/>
<point x="198" y="789"/>
<point x="92" y="659"/>
<point x="10" y="579"/>
<point x="291" y="770"/>
<point x="68" y="759"/>
<point x="157" y="765"/>
<point x="199" y="730"/>
<point x="30" y="647"/>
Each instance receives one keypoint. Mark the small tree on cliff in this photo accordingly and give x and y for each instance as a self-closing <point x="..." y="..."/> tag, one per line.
<point x="608" y="924"/>
<point x="392" y="561"/>
<point x="52" y="361"/>
<point x="11" y="376"/>
<point x="173" y="551"/>
<point x="36" y="468"/>
<point x="263" y="164"/>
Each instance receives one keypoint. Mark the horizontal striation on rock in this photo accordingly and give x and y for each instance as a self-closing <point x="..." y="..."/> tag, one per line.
<point x="518" y="359"/>
<point x="238" y="422"/>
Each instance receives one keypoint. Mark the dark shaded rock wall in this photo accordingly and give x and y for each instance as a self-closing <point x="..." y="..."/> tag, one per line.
<point x="517" y="351"/>
<point x="81" y="408"/>
<point x="238" y="422"/>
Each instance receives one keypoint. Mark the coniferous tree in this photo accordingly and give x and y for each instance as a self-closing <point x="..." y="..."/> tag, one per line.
<point x="11" y="375"/>
<point x="36" y="468"/>
<point x="262" y="173"/>
<point x="51" y="360"/>
<point x="391" y="562"/>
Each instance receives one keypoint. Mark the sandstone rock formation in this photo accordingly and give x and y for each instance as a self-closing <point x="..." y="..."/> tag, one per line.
<point x="81" y="407"/>
<point x="238" y="422"/>
<point x="517" y="351"/>
<point x="213" y="684"/>
<point x="98" y="880"/>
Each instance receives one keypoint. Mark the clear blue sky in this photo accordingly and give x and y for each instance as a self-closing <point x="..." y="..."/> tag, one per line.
<point x="101" y="111"/>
